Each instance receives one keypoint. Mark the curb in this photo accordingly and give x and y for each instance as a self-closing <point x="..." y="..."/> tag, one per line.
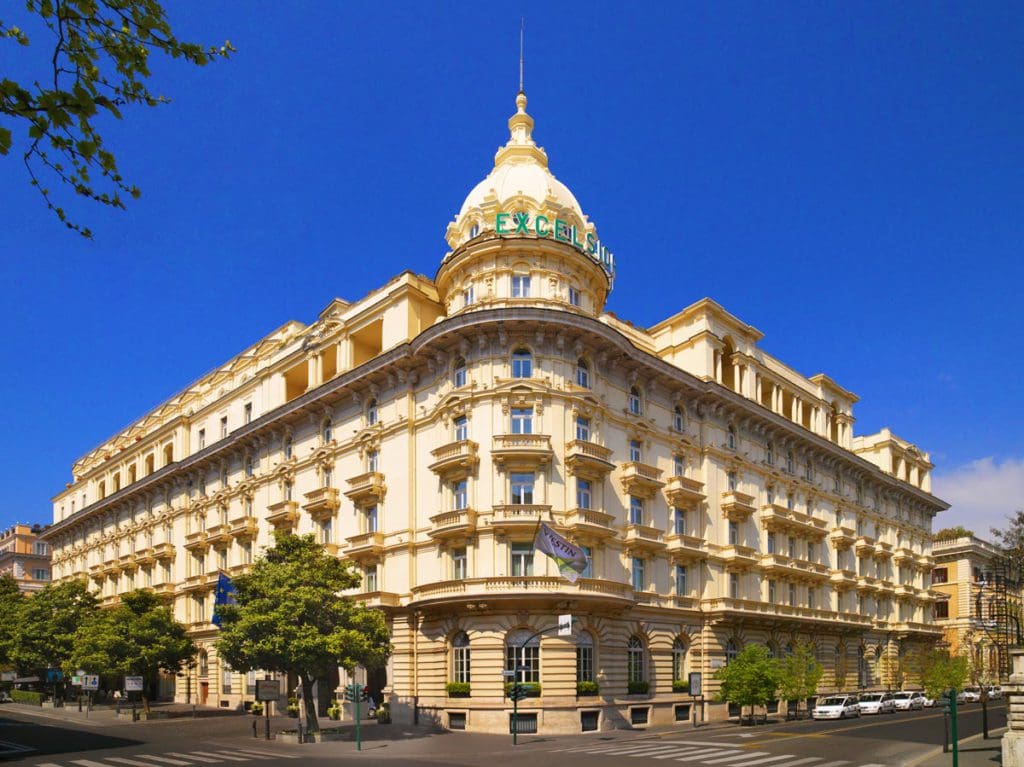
<point x="937" y="751"/>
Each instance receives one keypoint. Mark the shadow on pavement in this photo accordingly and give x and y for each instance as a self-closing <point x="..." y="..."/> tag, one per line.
<point x="54" y="739"/>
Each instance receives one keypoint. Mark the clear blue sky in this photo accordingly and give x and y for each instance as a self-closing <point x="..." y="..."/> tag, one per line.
<point x="845" y="177"/>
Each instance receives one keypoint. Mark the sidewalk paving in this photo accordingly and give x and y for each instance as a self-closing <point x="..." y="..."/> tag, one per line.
<point x="974" y="751"/>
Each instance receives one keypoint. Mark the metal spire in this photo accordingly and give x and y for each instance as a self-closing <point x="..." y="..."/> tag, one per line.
<point x="522" y="31"/>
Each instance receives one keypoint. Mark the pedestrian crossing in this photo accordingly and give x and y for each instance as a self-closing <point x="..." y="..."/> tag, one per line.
<point x="712" y="753"/>
<point x="175" y="759"/>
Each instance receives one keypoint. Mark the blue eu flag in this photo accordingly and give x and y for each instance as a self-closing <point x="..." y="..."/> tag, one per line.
<point x="223" y="594"/>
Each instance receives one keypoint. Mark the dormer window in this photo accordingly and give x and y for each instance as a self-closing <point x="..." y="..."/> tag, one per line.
<point x="474" y="231"/>
<point x="459" y="373"/>
<point x="635" y="402"/>
<point x="371" y="412"/>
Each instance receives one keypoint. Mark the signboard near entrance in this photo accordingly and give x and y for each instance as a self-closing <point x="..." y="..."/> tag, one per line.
<point x="267" y="690"/>
<point x="90" y="682"/>
<point x="696" y="680"/>
<point x="133" y="684"/>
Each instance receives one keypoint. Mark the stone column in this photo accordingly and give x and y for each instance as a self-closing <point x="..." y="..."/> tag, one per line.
<point x="1013" y="740"/>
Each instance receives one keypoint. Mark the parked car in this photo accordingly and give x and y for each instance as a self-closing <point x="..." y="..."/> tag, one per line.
<point x="929" y="702"/>
<point x="877" y="703"/>
<point x="5" y="697"/>
<point x="908" y="701"/>
<point x="836" y="707"/>
<point x="969" y="695"/>
<point x="995" y="692"/>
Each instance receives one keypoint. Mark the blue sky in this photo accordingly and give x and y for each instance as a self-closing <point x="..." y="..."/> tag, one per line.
<point x="845" y="177"/>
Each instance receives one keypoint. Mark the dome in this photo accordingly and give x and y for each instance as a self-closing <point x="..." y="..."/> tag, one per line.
<point x="520" y="182"/>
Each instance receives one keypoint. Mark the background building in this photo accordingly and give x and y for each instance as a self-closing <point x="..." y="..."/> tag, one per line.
<point x="981" y="610"/>
<point x="25" y="556"/>
<point x="424" y="431"/>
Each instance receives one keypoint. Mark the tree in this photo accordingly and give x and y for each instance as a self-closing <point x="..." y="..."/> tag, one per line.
<point x="799" y="674"/>
<point x="45" y="634"/>
<point x="139" y="637"/>
<point x="940" y="672"/>
<point x="11" y="601"/>
<point x="1011" y="539"/>
<point x="749" y="679"/>
<point x="290" y="616"/>
<point x="98" y="64"/>
<point x="953" y="532"/>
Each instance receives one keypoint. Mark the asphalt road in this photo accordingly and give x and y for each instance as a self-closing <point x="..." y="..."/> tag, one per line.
<point x="892" y="740"/>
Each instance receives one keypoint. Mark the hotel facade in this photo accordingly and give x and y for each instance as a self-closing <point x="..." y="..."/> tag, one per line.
<point x="423" y="432"/>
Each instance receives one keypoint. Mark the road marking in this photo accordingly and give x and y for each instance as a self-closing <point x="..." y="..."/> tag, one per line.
<point x="757" y="762"/>
<point x="681" y="752"/>
<point x="836" y="764"/>
<point x="136" y="762"/>
<point x="712" y="752"/>
<point x="642" y="750"/>
<point x="163" y="759"/>
<point x="222" y="756"/>
<point x="723" y="760"/>
<point x="267" y="753"/>
<point x="192" y="757"/>
<point x="795" y="762"/>
<point x="88" y="763"/>
<point x="48" y="764"/>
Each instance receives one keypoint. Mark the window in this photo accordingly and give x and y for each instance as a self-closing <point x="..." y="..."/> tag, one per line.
<point x="734" y="534"/>
<point x="460" y="428"/>
<point x="678" y="419"/>
<point x="770" y="495"/>
<point x="636" y="510"/>
<point x="635" y="403"/>
<point x="522" y="559"/>
<point x="574" y="296"/>
<point x="582" y="374"/>
<point x="467" y="296"/>
<point x="792" y="595"/>
<point x="223" y="427"/>
<point x="202" y="438"/>
<point x="639" y="574"/>
<point x="810" y="551"/>
<point x="583" y="494"/>
<point x="810" y="598"/>
<point x="635" y="450"/>
<point x="327" y="531"/>
<point x="582" y="429"/>
<point x="522" y="420"/>
<point x="792" y="547"/>
<point x="326" y="477"/>
<point x="731" y="651"/>
<point x="941" y="610"/>
<point x="522" y="364"/>
<point x="522" y="488"/>
<point x="371" y="460"/>
<point x="287" y="491"/>
<point x="248" y="466"/>
<point x="325" y="431"/>
<point x="730" y="438"/>
<point x="459" y="564"/>
<point x="522" y="651"/>
<point x="246" y="553"/>
<point x="459" y="373"/>
<point x="520" y="286"/>
<point x="41" y="575"/>
<point x="771" y="542"/>
<point x="734" y="585"/>
<point x="681" y="589"/>
<point x="225" y="680"/>
<point x="247" y="413"/>
<point x="460" y="499"/>
<point x="789" y="462"/>
<point x="588" y="571"/>
<point x="204" y="663"/>
<point x="731" y="477"/>
<point x="370" y="578"/>
<point x="222" y="559"/>
<point x="678" y="659"/>
<point x="679" y="521"/>
<point x="585" y="657"/>
<point x="678" y="466"/>
<point x="200" y="609"/>
<point x="772" y="595"/>
<point x="287" y="449"/>
<point x="371" y="519"/>
<point x="371" y="412"/>
<point x="940" y="575"/>
<point x="41" y="549"/>
<point x="636" y="664"/>
<point x="460" y="657"/>
<point x="769" y="454"/>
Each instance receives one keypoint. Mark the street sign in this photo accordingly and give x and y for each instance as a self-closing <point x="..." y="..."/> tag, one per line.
<point x="267" y="690"/>
<point x="508" y="674"/>
<point x="523" y="668"/>
<point x="133" y="684"/>
<point x="695" y="683"/>
<point x="565" y="625"/>
<point x="80" y="672"/>
<point x="90" y="682"/>
<point x="76" y="680"/>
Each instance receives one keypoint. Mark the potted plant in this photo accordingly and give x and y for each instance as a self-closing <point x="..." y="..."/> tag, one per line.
<point x="334" y="710"/>
<point x="637" y="687"/>
<point x="256" y="709"/>
<point x="586" y="688"/>
<point x="457" y="689"/>
<point x="293" y="708"/>
<point x="680" y="685"/>
<point x="532" y="688"/>
<point x="384" y="714"/>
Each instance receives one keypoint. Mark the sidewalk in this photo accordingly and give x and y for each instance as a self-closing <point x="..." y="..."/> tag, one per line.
<point x="106" y="716"/>
<point x="973" y="752"/>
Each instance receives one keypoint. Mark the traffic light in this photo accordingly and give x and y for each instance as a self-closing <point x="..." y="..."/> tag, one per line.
<point x="364" y="693"/>
<point x="353" y="692"/>
<point x="518" y="691"/>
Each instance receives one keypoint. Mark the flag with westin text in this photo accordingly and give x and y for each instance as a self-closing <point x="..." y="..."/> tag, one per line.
<point x="571" y="559"/>
<point x="223" y="594"/>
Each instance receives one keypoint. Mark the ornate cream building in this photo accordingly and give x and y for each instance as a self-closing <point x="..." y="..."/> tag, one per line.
<point x="423" y="431"/>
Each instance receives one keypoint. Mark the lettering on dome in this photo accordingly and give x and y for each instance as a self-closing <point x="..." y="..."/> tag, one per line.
<point x="519" y="224"/>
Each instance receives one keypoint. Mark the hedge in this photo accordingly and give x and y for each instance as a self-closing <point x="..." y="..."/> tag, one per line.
<point x="25" y="696"/>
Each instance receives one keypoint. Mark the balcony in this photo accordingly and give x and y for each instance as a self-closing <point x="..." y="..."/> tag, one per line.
<point x="197" y="584"/>
<point x="456" y="459"/>
<point x="905" y="592"/>
<point x="527" y="451"/>
<point x="365" y="546"/>
<point x="379" y="599"/>
<point x="512" y="518"/>
<point x="792" y="522"/>
<point x="864" y="546"/>
<point x="322" y="503"/>
<point x="752" y="607"/>
<point x="904" y="556"/>
<point x="219" y="536"/>
<point x="843" y="579"/>
<point x="886" y="586"/>
<point x="919" y="628"/>
<point x="243" y="528"/>
<point x="685" y="548"/>
<point x="737" y="506"/>
<point x="588" y="522"/>
<point x="640" y="479"/>
<point x="145" y="556"/>
<point x="588" y="459"/>
<point x="96" y="572"/>
<point x="737" y="557"/>
<point x="883" y="551"/>
<point x="164" y="552"/>
<point x="163" y="589"/>
<point x="366" y="489"/>
<point x="867" y="584"/>
<point x="127" y="563"/>
<point x="456" y="525"/>
<point x="925" y="562"/>
<point x="796" y="569"/>
<point x="684" y="492"/>
<point x="644" y="538"/>
<point x="197" y="541"/>
<point x="527" y="590"/>
<point x="283" y="514"/>
<point x="842" y="538"/>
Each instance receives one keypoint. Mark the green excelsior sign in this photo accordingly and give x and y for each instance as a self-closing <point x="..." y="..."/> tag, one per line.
<point x="513" y="224"/>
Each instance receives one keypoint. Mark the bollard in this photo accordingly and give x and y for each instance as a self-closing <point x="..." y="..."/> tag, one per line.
<point x="254" y="722"/>
<point x="267" y="720"/>
<point x="302" y="735"/>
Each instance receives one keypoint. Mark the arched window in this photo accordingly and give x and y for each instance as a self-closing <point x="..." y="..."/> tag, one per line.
<point x="730" y="439"/>
<point x="287" y="448"/>
<point x="371" y="412"/>
<point x="522" y="363"/>
<point x="459" y="373"/>
<point x="585" y="657"/>
<point x="204" y="663"/>
<point x="731" y="651"/>
<point x="769" y="454"/>
<point x="582" y="373"/>
<point x="460" y="657"/>
<point x="636" y="405"/>
<point x="678" y="419"/>
<point x="636" y="660"/>
<point x="524" y="661"/>
<point x="678" y="660"/>
<point x="326" y="432"/>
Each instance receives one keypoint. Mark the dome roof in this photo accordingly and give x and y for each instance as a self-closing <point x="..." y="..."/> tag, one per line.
<point x="519" y="181"/>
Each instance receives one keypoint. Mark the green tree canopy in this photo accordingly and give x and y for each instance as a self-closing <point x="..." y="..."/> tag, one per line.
<point x="953" y="532"/>
<point x="940" y="672"/>
<point x="799" y="673"/>
<point x="1011" y="539"/>
<point x="44" y="637"/>
<point x="749" y="679"/>
<point x="139" y="637"/>
<point x="11" y="601"/>
<point x="290" y="616"/>
<point x="94" y="63"/>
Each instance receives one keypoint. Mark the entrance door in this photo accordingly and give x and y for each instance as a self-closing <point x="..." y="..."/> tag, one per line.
<point x="204" y="692"/>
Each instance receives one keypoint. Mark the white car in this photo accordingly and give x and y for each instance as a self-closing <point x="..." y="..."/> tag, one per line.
<point x="877" y="703"/>
<point x="836" y="707"/>
<point x="969" y="695"/>
<point x="929" y="702"/>
<point x="908" y="701"/>
<point x="995" y="693"/>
